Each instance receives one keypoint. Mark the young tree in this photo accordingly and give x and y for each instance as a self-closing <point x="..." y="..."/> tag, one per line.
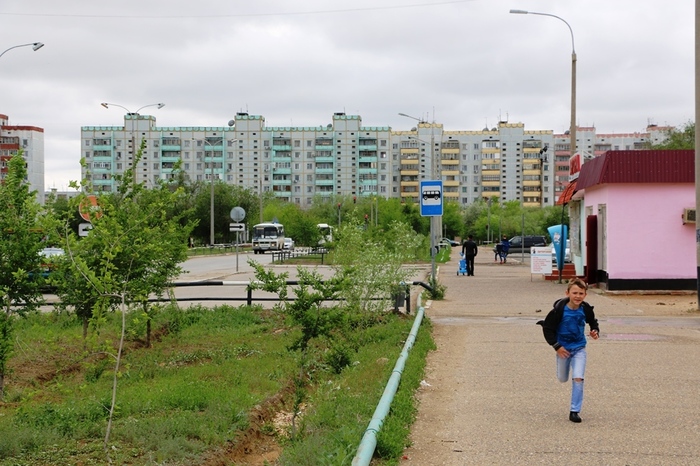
<point x="133" y="250"/>
<point x="21" y="232"/>
<point x="682" y="137"/>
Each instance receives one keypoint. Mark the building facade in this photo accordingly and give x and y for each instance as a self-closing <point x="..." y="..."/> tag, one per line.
<point x="345" y="158"/>
<point x="30" y="140"/>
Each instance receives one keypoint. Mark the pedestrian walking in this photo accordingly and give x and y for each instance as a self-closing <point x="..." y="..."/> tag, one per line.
<point x="505" y="247"/>
<point x="564" y="329"/>
<point x="470" y="250"/>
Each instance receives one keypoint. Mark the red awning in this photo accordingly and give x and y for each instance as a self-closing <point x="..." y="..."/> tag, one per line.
<point x="568" y="193"/>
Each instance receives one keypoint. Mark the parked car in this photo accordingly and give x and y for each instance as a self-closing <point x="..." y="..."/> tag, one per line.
<point x="449" y="241"/>
<point x="48" y="258"/>
<point x="517" y="245"/>
<point x="567" y="251"/>
<point x="288" y="244"/>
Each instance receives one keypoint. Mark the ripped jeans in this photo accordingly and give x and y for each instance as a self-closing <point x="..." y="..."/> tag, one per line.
<point x="576" y="364"/>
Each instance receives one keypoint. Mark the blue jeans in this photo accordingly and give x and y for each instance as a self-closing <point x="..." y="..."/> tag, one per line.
<point x="576" y="364"/>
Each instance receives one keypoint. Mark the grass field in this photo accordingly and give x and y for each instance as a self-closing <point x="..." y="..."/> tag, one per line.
<point x="217" y="386"/>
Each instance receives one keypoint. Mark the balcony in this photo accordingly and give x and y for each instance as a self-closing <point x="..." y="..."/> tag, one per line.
<point x="170" y="155"/>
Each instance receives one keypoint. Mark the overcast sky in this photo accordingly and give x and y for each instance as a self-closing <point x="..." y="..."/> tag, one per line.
<point x="466" y="64"/>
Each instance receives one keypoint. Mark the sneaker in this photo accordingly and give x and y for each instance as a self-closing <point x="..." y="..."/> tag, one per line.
<point x="574" y="417"/>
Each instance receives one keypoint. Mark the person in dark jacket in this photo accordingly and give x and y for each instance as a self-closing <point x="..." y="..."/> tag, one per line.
<point x="470" y="250"/>
<point x="505" y="247"/>
<point x="564" y="329"/>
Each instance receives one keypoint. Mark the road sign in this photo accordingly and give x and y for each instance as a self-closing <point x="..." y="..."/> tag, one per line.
<point x="237" y="214"/>
<point x="89" y="209"/>
<point x="236" y="227"/>
<point x="84" y="229"/>
<point x="431" y="198"/>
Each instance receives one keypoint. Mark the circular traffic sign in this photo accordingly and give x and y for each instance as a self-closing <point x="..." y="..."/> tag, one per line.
<point x="90" y="209"/>
<point x="237" y="214"/>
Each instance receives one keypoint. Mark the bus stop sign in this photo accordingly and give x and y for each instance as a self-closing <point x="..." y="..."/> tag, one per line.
<point x="431" y="196"/>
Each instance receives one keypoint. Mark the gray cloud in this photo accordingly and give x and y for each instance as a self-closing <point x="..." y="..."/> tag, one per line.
<point x="467" y="64"/>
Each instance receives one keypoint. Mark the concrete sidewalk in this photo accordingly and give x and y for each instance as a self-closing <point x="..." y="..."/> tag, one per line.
<point x="492" y="398"/>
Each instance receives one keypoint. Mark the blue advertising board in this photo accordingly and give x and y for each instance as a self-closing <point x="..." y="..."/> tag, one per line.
<point x="431" y="196"/>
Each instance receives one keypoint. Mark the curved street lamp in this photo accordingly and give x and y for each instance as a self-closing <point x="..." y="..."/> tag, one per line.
<point x="35" y="46"/>
<point x="133" y="138"/>
<point x="572" y="128"/>
<point x="219" y="140"/>
<point x="129" y="112"/>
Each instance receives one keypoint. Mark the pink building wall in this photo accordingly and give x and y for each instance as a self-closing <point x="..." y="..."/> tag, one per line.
<point x="646" y="238"/>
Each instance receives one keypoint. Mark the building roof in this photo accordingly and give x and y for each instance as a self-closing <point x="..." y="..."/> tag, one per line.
<point x="568" y="193"/>
<point x="638" y="166"/>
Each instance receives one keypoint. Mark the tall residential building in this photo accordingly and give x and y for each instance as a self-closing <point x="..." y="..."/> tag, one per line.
<point x="30" y="140"/>
<point x="298" y="163"/>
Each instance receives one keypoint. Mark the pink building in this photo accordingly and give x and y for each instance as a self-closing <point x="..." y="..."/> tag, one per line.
<point x="633" y="220"/>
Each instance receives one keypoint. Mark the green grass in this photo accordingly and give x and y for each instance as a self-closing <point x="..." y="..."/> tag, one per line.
<point x="193" y="391"/>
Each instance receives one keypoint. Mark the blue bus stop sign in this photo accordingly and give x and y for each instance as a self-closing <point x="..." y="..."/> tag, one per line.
<point x="431" y="197"/>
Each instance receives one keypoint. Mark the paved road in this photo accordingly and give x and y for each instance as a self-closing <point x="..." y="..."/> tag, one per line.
<point x="492" y="397"/>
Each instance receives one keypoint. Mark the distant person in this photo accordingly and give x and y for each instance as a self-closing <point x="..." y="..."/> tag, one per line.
<point x="564" y="329"/>
<point x="470" y="250"/>
<point x="505" y="247"/>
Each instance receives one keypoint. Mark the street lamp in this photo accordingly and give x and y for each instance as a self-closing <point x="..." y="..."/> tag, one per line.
<point x="572" y="127"/>
<point x="433" y="173"/>
<point x="133" y="115"/>
<point x="35" y="46"/>
<point x="217" y="141"/>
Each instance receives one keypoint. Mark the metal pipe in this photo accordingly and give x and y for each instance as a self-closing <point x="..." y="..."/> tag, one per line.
<point x="369" y="439"/>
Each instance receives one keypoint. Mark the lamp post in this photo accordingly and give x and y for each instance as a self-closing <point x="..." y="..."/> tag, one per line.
<point x="35" y="46"/>
<point x="217" y="141"/>
<point x="211" y="188"/>
<point x="433" y="173"/>
<point x="697" y="142"/>
<point x="572" y="127"/>
<point x="133" y="115"/>
<point x="488" y="216"/>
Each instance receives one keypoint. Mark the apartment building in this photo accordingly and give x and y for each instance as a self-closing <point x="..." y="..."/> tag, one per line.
<point x="29" y="139"/>
<point x="298" y="163"/>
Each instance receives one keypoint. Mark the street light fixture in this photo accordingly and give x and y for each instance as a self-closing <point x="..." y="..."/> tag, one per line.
<point x="572" y="127"/>
<point x="35" y="46"/>
<point x="211" y="183"/>
<point x="133" y="137"/>
<point x="218" y="140"/>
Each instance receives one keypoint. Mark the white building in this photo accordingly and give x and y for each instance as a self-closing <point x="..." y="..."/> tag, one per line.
<point x="297" y="163"/>
<point x="30" y="140"/>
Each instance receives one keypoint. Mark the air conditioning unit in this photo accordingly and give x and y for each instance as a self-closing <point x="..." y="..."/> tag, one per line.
<point x="688" y="216"/>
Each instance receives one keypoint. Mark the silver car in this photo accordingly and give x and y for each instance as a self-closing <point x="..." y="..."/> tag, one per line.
<point x="567" y="251"/>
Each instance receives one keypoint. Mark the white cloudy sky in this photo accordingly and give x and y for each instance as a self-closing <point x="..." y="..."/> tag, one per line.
<point x="462" y="63"/>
